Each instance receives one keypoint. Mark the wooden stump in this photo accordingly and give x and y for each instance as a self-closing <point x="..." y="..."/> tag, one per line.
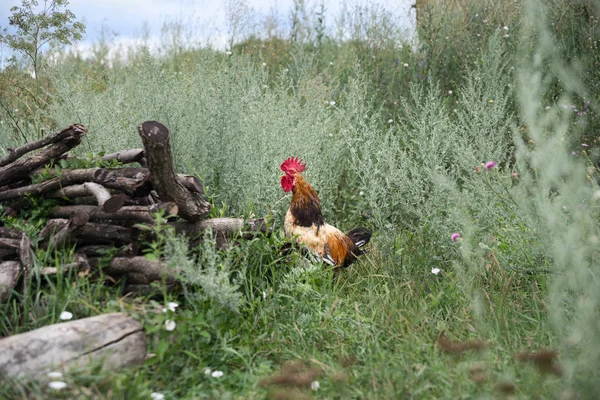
<point x="165" y="181"/>
<point x="115" y="339"/>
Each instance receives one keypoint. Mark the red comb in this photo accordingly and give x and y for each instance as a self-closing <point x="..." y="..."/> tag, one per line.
<point x="293" y="164"/>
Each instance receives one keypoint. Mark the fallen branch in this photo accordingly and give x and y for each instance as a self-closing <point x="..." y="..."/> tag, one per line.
<point x="21" y="168"/>
<point x="15" y="154"/>
<point x="126" y="156"/>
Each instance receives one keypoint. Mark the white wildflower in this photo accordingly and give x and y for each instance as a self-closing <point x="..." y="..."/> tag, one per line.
<point x="157" y="396"/>
<point x="57" y="385"/>
<point x="264" y="64"/>
<point x="65" y="316"/>
<point x="217" y="374"/>
<point x="55" y="375"/>
<point x="207" y="371"/>
<point x="332" y="103"/>
<point x="361" y="193"/>
<point x="449" y="91"/>
<point x="264" y="295"/>
<point x="228" y="53"/>
<point x="435" y="271"/>
<point x="405" y="64"/>
<point x="505" y="28"/>
<point x="172" y="306"/>
<point x="390" y="121"/>
<point x="170" y="325"/>
<point x="315" y="385"/>
<point x="330" y="62"/>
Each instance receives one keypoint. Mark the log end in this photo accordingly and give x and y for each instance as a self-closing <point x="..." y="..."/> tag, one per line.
<point x="114" y="203"/>
<point x="154" y="131"/>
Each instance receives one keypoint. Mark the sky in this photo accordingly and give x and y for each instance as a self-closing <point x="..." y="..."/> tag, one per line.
<point x="124" y="21"/>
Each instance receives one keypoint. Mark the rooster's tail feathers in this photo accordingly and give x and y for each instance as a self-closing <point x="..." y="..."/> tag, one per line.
<point x="359" y="236"/>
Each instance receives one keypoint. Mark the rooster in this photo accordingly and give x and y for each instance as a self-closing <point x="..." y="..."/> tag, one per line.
<point x="304" y="220"/>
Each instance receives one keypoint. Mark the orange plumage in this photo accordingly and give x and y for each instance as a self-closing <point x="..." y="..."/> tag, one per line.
<point x="304" y="220"/>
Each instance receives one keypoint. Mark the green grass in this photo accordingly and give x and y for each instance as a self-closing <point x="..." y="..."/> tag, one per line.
<point x="372" y="333"/>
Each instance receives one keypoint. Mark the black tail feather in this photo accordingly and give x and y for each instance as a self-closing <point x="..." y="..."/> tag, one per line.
<point x="360" y="236"/>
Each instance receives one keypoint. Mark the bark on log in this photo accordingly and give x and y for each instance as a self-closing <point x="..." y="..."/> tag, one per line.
<point x="10" y="243"/>
<point x="58" y="236"/>
<point x="15" y="154"/>
<point x="90" y="233"/>
<point x="115" y="339"/>
<point x="26" y="259"/>
<point x="223" y="228"/>
<point x="80" y="264"/>
<point x="132" y="181"/>
<point x="21" y="168"/>
<point x="125" y="156"/>
<point x="140" y="214"/>
<point x="9" y="276"/>
<point x="155" y="137"/>
<point x="9" y="233"/>
<point x="138" y="270"/>
<point x="96" y="251"/>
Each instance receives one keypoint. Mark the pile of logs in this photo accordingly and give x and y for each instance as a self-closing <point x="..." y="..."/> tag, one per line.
<point x="100" y="209"/>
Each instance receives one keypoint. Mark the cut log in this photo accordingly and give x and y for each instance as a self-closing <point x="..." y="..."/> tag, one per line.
<point x="106" y="201"/>
<point x="140" y="214"/>
<point x="155" y="137"/>
<point x="125" y="156"/>
<point x="132" y="181"/>
<point x="15" y="154"/>
<point x="89" y="233"/>
<point x="138" y="270"/>
<point x="58" y="236"/>
<point x="223" y="228"/>
<point x="9" y="276"/>
<point x="20" y="168"/>
<point x="115" y="339"/>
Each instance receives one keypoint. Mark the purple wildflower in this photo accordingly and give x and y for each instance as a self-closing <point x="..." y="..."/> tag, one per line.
<point x="584" y="144"/>
<point x="489" y="165"/>
<point x="454" y="236"/>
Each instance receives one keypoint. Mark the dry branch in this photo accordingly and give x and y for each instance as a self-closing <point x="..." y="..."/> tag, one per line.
<point x="155" y="137"/>
<point x="21" y="168"/>
<point x="126" y="156"/>
<point x="15" y="154"/>
<point x="127" y="180"/>
<point x="115" y="339"/>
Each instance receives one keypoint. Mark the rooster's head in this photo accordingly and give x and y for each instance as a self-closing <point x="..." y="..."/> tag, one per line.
<point x="292" y="166"/>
